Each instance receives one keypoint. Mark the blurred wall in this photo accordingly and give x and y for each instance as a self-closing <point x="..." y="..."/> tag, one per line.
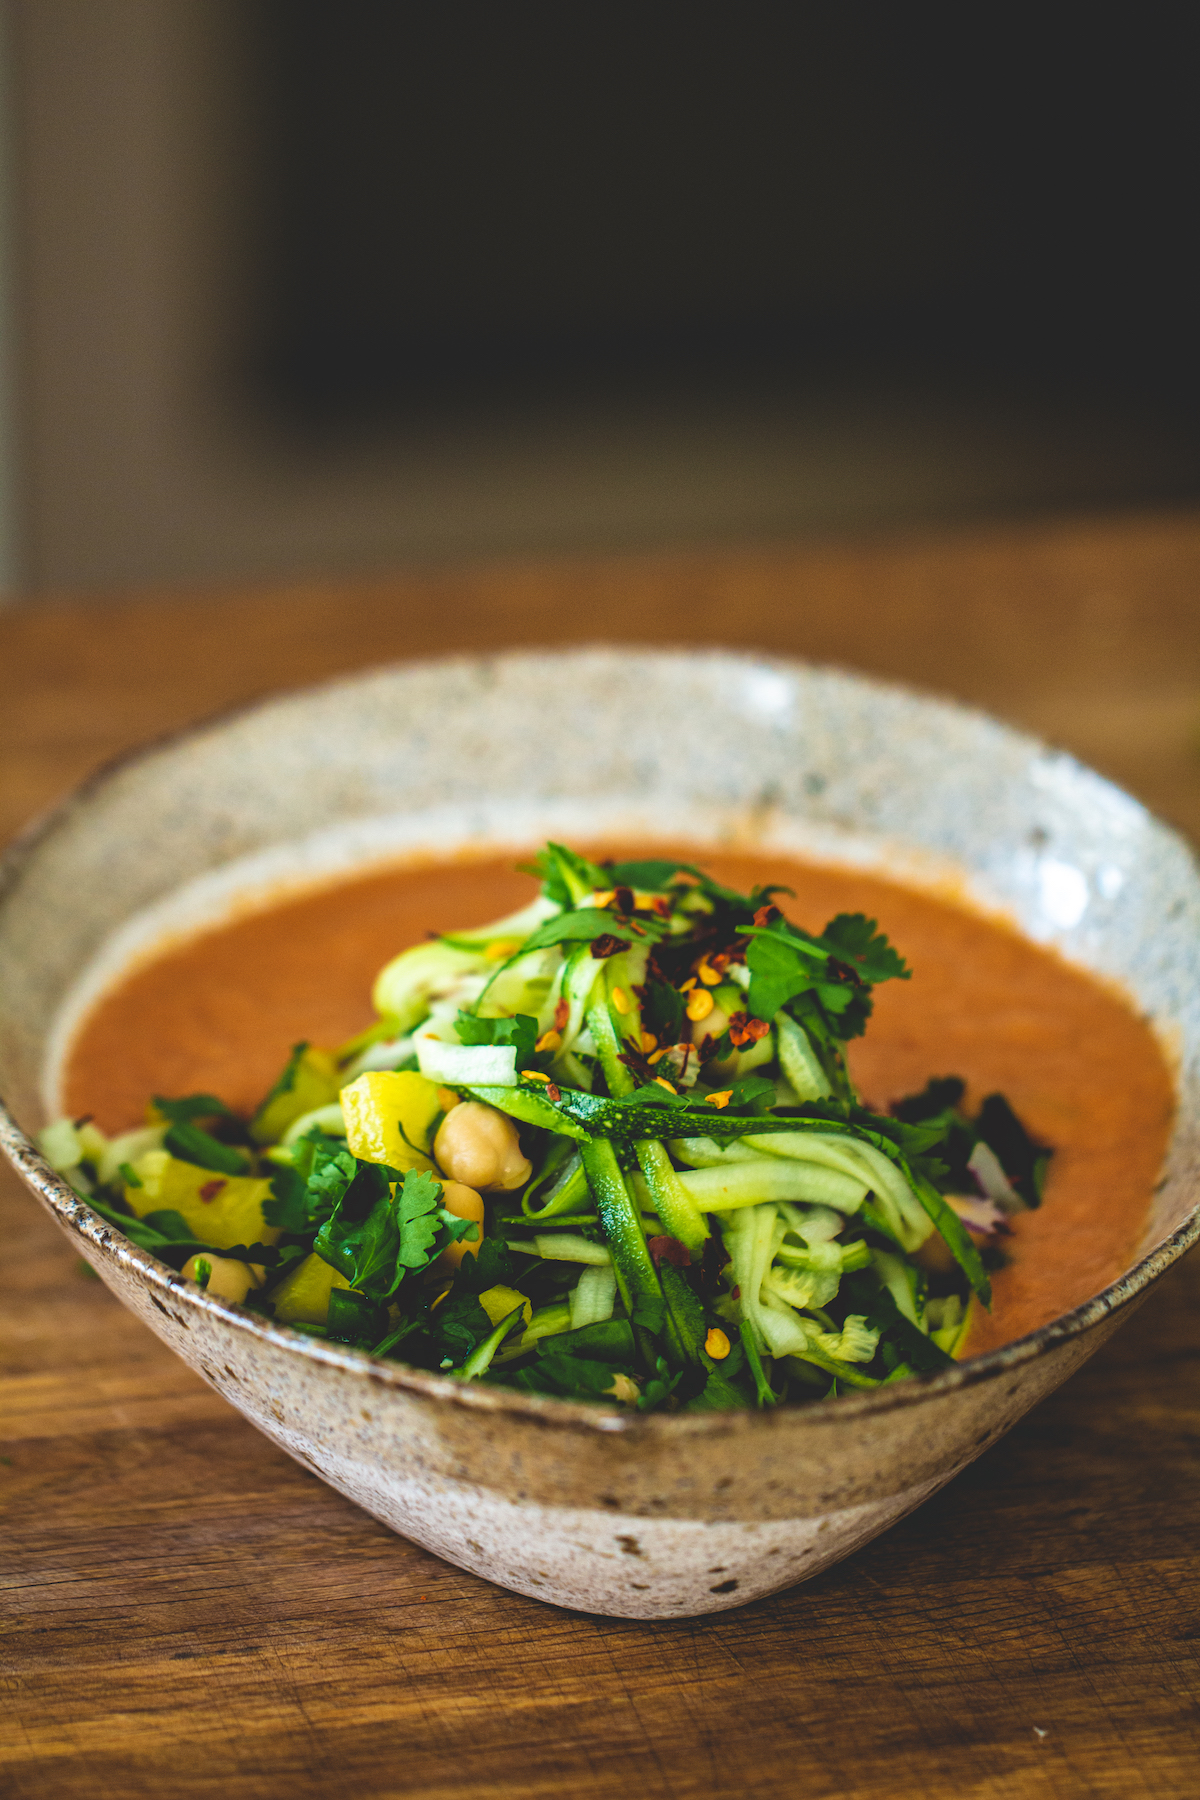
<point x="777" y="271"/>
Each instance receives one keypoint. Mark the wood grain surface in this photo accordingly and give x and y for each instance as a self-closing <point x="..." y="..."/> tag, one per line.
<point x="188" y="1613"/>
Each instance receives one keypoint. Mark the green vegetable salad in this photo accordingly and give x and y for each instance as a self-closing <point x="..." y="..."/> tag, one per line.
<point x="608" y="1149"/>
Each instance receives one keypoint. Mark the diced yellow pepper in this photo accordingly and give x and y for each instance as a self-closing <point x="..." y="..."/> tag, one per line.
<point x="303" y="1294"/>
<point x="314" y="1084"/>
<point x="222" y="1210"/>
<point x="498" y="1302"/>
<point x="388" y="1116"/>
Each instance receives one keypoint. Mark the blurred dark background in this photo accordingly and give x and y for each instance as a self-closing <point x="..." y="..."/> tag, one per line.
<point x="303" y="287"/>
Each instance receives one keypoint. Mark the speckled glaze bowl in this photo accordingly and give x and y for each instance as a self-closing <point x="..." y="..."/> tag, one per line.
<point x="647" y="1517"/>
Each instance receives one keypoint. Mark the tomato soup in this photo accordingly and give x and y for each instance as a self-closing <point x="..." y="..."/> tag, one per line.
<point x="1085" y="1074"/>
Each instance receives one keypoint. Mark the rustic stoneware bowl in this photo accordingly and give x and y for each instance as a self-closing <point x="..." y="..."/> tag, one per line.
<point x="649" y="1517"/>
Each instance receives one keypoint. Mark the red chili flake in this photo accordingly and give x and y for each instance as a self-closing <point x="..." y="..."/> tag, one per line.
<point x="766" y="915"/>
<point x="608" y="945"/>
<point x="746" y="1030"/>
<point x="669" y="1249"/>
<point x="737" y="1293"/>
<point x="553" y="1093"/>
<point x="562" y="1013"/>
<point x="210" y="1190"/>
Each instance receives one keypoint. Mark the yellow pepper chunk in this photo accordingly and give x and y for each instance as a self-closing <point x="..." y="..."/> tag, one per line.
<point x="498" y="1302"/>
<point x="222" y="1210"/>
<point x="388" y="1116"/>
<point x="312" y="1082"/>
<point x="304" y="1292"/>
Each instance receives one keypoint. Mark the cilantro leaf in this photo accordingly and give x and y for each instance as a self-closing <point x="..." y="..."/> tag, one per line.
<point x="579" y="927"/>
<point x="662" y="1012"/>
<point x="310" y="1189"/>
<point x="418" y="1218"/>
<point x="566" y="876"/>
<point x="569" y="1377"/>
<point x="364" y="1250"/>
<point x="781" y="966"/>
<point x="652" y="876"/>
<point x="192" y="1106"/>
<point x="457" y="1326"/>
<point x="192" y="1144"/>
<point x="857" y="940"/>
<point x="355" y="1318"/>
<point x="488" y="1265"/>
<point x="519" y="1030"/>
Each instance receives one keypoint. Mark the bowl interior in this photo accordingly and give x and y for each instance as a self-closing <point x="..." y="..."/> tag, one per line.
<point x="714" y="748"/>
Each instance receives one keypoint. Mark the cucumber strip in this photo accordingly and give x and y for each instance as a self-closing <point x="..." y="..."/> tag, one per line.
<point x="706" y="1153"/>
<point x="798" y="1060"/>
<point x="637" y="1278"/>
<point x="580" y="974"/>
<point x="901" y="1208"/>
<point x="899" y="1278"/>
<point x="764" y="1392"/>
<point x="480" y="1359"/>
<point x="529" y="1104"/>
<point x="772" y="1179"/>
<point x="564" y="1246"/>
<point x="568" y="1194"/>
<point x="548" y="1321"/>
<point x="831" y="1366"/>
<point x="592" y="1297"/>
<point x="609" y="1046"/>
<point x="675" y="1206"/>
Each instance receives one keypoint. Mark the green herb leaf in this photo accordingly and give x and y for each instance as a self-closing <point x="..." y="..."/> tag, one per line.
<point x="956" y="1236"/>
<point x="569" y="1377"/>
<point x="307" y="1192"/>
<point x="418" y="1206"/>
<point x="193" y="1106"/>
<point x="857" y="940"/>
<point x="520" y="1030"/>
<point x="580" y="927"/>
<point x="354" y="1318"/>
<point x="190" y="1144"/>
<point x="781" y="966"/>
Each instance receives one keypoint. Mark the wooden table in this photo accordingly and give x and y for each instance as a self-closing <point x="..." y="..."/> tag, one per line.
<point x="187" y="1612"/>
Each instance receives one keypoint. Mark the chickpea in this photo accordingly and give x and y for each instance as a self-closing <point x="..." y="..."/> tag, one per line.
<point x="935" y="1255"/>
<point x="228" y="1280"/>
<point x="479" y="1146"/>
<point x="714" y="1026"/>
<point x="464" y="1203"/>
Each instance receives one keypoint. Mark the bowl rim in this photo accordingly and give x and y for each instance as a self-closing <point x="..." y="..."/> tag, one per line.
<point x="73" y="1213"/>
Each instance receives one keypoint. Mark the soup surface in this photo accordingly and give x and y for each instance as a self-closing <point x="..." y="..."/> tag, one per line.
<point x="219" y="1014"/>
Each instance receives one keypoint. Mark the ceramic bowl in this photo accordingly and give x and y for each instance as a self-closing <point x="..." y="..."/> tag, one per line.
<point x="647" y="1517"/>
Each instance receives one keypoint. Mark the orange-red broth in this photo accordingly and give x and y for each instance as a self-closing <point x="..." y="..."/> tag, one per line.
<point x="218" y="1013"/>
